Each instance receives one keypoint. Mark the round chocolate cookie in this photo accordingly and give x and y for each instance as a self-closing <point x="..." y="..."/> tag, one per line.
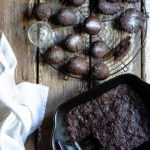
<point x="122" y="49"/>
<point x="74" y="43"/>
<point x="54" y="55"/>
<point x="110" y="8"/>
<point x="77" y="3"/>
<point x="100" y="71"/>
<point x="42" y="11"/>
<point x="133" y="1"/>
<point x="132" y="20"/>
<point x="92" y="25"/>
<point x="77" y="65"/>
<point x="66" y="17"/>
<point x="99" y="49"/>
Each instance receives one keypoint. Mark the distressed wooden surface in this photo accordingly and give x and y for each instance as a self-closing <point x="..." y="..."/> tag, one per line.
<point x="14" y="23"/>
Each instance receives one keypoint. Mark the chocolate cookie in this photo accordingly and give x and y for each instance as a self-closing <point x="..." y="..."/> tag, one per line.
<point x="54" y="55"/>
<point x="42" y="11"/>
<point x="74" y="43"/>
<point x="99" y="49"/>
<point x="133" y="1"/>
<point x="77" y="65"/>
<point x="122" y="49"/>
<point x="132" y="20"/>
<point x="100" y="71"/>
<point x="66" y="17"/>
<point x="77" y="3"/>
<point x="109" y="8"/>
<point x="92" y="25"/>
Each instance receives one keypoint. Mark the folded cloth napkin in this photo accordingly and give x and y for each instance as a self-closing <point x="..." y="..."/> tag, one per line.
<point x="22" y="106"/>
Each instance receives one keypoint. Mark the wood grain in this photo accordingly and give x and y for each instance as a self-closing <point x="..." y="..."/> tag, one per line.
<point x="14" y="23"/>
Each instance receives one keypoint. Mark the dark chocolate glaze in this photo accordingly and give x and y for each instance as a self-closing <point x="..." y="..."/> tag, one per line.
<point x="100" y="71"/>
<point x="54" y="55"/>
<point x="114" y="0"/>
<point x="99" y="49"/>
<point x="132" y="20"/>
<point x="92" y="25"/>
<point x="133" y="1"/>
<point x="66" y="17"/>
<point x="74" y="43"/>
<point x="77" y="65"/>
<point x="42" y="11"/>
<point x="77" y="3"/>
<point x="109" y="8"/>
<point x="122" y="49"/>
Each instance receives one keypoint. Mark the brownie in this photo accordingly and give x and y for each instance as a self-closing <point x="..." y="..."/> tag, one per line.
<point x="122" y="49"/>
<point x="117" y="119"/>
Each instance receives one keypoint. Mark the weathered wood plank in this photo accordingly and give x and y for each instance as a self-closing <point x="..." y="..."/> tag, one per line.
<point x="146" y="50"/>
<point x="60" y="89"/>
<point x="14" y="24"/>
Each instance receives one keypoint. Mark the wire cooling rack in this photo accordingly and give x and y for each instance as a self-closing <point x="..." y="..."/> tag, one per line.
<point x="110" y="34"/>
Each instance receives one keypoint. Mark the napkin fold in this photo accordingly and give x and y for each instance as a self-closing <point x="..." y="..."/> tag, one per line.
<point x="22" y="106"/>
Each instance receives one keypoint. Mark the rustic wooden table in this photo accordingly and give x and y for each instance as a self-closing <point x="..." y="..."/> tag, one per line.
<point x="15" y="23"/>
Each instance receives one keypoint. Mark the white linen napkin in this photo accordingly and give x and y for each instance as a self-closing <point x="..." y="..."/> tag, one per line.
<point x="22" y="106"/>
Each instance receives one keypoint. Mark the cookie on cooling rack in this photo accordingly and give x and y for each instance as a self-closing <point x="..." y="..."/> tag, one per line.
<point x="132" y="20"/>
<point x="92" y="25"/>
<point x="77" y="65"/>
<point x="54" y="55"/>
<point x="110" y="8"/>
<point x="133" y="1"/>
<point x="122" y="49"/>
<point x="99" y="49"/>
<point x="74" y="43"/>
<point x="77" y="3"/>
<point x="42" y="11"/>
<point x="100" y="71"/>
<point x="66" y="17"/>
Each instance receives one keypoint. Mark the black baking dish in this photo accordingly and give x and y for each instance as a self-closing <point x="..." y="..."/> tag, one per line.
<point x="59" y="137"/>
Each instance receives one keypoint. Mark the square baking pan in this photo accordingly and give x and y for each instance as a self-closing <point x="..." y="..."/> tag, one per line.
<point x="59" y="139"/>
